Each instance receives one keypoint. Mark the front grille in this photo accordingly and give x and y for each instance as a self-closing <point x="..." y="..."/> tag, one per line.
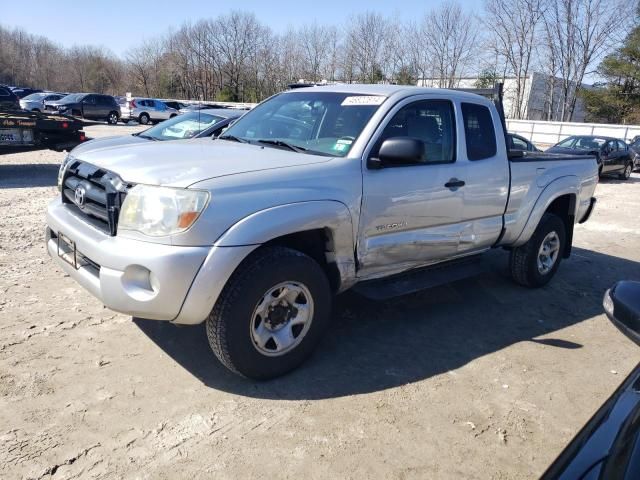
<point x="95" y="194"/>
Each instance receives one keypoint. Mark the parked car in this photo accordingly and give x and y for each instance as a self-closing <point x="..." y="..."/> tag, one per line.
<point x="634" y="150"/>
<point x="8" y="99"/>
<point x="146" y="110"/>
<point x="174" y="104"/>
<point x="207" y="123"/>
<point x="517" y="142"/>
<point x="22" y="92"/>
<point x="386" y="189"/>
<point x="608" y="446"/>
<point x="92" y="106"/>
<point x="36" y="101"/>
<point x="613" y="154"/>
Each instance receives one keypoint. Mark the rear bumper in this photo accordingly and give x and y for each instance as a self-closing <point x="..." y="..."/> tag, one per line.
<point x="587" y="214"/>
<point x="142" y="279"/>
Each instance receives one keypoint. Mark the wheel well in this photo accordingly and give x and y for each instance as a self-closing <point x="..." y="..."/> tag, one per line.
<point x="316" y="243"/>
<point x="565" y="207"/>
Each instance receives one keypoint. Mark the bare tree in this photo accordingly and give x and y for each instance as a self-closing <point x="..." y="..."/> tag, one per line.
<point x="514" y="26"/>
<point x="578" y="34"/>
<point x="365" y="41"/>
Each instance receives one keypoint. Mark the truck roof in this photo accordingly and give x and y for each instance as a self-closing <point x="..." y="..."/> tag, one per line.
<point x="385" y="90"/>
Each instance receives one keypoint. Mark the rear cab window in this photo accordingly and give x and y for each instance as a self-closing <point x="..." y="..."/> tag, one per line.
<point x="480" y="136"/>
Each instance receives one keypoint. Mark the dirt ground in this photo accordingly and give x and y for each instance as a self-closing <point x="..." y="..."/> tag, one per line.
<point x="480" y="379"/>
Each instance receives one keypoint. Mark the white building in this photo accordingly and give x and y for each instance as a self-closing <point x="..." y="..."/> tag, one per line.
<point x="537" y="101"/>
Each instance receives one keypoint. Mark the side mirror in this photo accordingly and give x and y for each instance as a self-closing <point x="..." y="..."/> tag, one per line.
<point x="399" y="151"/>
<point x="622" y="305"/>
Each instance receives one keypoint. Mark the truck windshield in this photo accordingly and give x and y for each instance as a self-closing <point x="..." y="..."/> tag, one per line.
<point x="315" y="122"/>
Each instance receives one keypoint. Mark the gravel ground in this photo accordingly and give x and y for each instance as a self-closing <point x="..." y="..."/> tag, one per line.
<point x="480" y="379"/>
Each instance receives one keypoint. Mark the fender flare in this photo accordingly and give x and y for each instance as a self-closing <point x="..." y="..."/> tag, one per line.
<point x="266" y="225"/>
<point x="568" y="185"/>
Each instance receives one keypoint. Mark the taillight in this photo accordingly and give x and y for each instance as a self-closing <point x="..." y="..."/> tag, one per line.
<point x="132" y="104"/>
<point x="82" y="137"/>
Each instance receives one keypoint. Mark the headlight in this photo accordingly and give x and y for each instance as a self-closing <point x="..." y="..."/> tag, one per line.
<point x="158" y="211"/>
<point x="63" y="166"/>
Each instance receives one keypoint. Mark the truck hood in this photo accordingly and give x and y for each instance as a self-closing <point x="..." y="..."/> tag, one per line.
<point x="180" y="164"/>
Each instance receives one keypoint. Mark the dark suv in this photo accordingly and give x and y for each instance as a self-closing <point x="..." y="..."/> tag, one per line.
<point x="8" y="99"/>
<point x="91" y="106"/>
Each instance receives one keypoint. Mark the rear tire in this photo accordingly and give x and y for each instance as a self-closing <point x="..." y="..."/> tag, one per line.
<point x="143" y="119"/>
<point x="626" y="173"/>
<point x="536" y="262"/>
<point x="112" y="119"/>
<point x="256" y="334"/>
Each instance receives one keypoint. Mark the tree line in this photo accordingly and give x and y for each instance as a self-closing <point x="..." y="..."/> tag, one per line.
<point x="236" y="57"/>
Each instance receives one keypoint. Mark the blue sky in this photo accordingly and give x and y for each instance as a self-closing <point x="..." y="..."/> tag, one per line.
<point x="119" y="24"/>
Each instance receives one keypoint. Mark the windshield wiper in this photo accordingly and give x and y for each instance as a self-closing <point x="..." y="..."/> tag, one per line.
<point x="232" y="138"/>
<point x="280" y="143"/>
<point x="147" y="137"/>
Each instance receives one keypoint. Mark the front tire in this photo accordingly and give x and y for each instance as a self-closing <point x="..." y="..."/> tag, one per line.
<point x="535" y="263"/>
<point x="271" y="314"/>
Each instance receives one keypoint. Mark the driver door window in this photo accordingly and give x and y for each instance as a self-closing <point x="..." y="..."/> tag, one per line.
<point x="430" y="121"/>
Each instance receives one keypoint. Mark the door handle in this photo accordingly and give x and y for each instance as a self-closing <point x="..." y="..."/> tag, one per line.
<point x="454" y="183"/>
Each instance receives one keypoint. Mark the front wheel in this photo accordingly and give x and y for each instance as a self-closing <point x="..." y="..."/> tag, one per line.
<point x="271" y="314"/>
<point x="626" y="173"/>
<point x="536" y="262"/>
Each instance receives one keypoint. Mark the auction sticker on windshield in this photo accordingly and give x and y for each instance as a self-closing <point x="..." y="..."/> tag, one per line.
<point x="363" y="100"/>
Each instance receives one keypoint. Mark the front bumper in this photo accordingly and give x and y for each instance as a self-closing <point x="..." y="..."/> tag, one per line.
<point x="142" y="279"/>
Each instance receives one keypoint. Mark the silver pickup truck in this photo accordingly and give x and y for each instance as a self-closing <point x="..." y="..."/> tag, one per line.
<point x="386" y="189"/>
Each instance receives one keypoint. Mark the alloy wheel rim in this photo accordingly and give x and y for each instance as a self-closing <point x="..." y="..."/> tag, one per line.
<point x="281" y="318"/>
<point x="548" y="253"/>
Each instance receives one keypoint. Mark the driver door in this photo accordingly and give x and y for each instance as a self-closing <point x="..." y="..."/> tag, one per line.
<point x="409" y="216"/>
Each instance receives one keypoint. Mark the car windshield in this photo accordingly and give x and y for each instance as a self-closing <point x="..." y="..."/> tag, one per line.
<point x="74" y="97"/>
<point x="321" y="123"/>
<point x="181" y="127"/>
<point x="35" y="97"/>
<point x="587" y="143"/>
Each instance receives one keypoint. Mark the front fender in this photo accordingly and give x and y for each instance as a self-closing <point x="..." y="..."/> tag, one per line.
<point x="266" y="225"/>
<point x="569" y="185"/>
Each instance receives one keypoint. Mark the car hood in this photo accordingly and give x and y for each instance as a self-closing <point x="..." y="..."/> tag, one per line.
<point x="182" y="163"/>
<point x="108" y="142"/>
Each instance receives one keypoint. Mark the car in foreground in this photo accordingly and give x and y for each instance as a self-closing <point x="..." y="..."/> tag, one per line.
<point x="146" y="110"/>
<point x="386" y="189"/>
<point x="613" y="154"/>
<point x="36" y="101"/>
<point x="206" y="123"/>
<point x="608" y="446"/>
<point x="91" y="106"/>
<point x="8" y="99"/>
<point x="518" y="142"/>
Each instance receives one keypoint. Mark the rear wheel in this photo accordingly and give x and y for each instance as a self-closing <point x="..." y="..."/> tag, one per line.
<point x="112" y="119"/>
<point x="271" y="314"/>
<point x="536" y="262"/>
<point x="626" y="173"/>
<point x="144" y="118"/>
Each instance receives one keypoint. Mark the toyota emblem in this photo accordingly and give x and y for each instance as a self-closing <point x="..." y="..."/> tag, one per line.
<point x="79" y="195"/>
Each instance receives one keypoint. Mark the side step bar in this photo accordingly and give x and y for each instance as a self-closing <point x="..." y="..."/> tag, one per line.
<point x="422" y="279"/>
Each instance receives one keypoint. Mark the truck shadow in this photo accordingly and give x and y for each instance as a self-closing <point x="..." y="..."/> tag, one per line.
<point x="25" y="175"/>
<point x="373" y="346"/>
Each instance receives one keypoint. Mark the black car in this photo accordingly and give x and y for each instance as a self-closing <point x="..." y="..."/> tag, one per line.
<point x="613" y="155"/>
<point x="176" y="105"/>
<point x="634" y="149"/>
<point x="92" y="106"/>
<point x="8" y="99"/>
<point x="517" y="142"/>
<point x="22" y="92"/>
<point x="608" y="446"/>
